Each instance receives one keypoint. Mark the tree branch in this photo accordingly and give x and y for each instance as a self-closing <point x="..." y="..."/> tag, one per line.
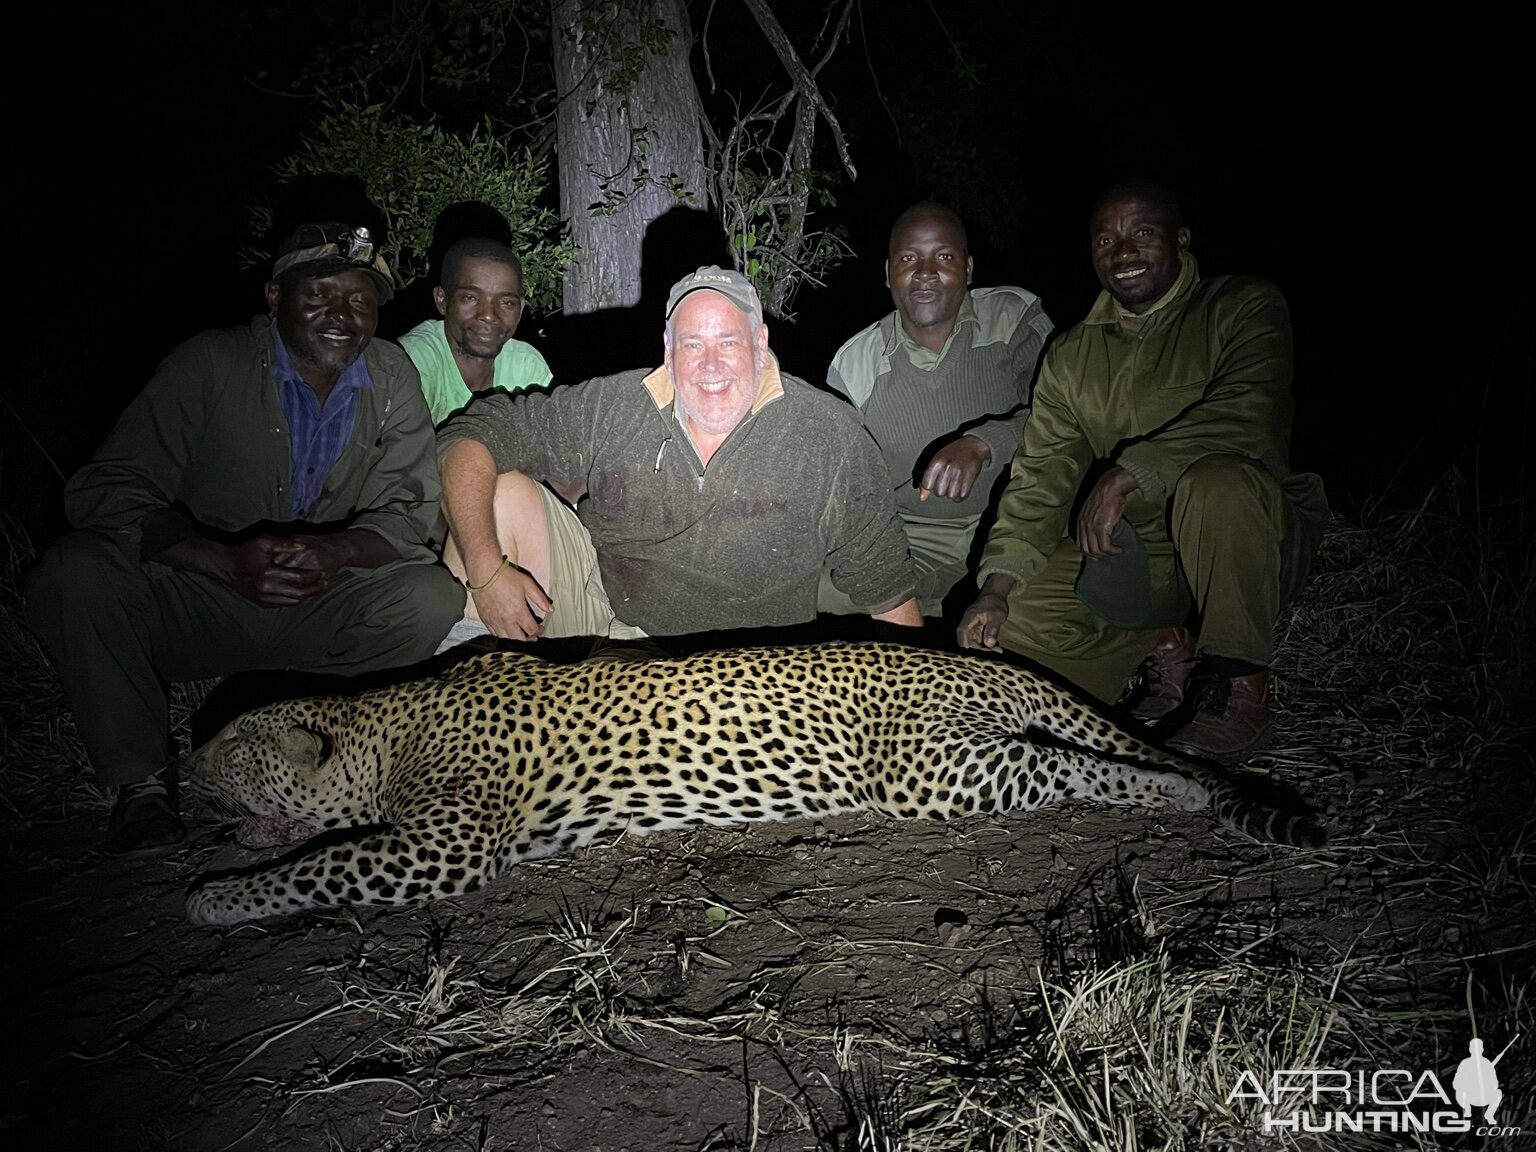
<point x="837" y="34"/>
<point x="804" y="82"/>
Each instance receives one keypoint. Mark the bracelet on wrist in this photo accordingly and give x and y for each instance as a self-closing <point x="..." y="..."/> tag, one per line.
<point x="500" y="568"/>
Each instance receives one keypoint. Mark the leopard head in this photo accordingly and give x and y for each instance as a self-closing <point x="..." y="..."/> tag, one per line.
<point x="286" y="772"/>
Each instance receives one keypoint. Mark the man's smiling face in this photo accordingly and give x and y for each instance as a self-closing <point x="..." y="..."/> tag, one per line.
<point x="325" y="321"/>
<point x="715" y="353"/>
<point x="1136" y="249"/>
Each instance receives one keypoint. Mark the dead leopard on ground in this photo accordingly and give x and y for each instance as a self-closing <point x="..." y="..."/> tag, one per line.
<point x="508" y="757"/>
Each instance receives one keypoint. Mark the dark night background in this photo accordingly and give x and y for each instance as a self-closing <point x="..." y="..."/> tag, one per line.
<point x="1366" y="164"/>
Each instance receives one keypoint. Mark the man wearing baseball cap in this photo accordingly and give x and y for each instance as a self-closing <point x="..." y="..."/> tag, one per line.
<point x="264" y="503"/>
<point x="711" y="492"/>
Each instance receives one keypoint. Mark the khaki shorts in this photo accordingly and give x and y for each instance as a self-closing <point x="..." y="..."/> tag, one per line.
<point x="575" y="580"/>
<point x="575" y="585"/>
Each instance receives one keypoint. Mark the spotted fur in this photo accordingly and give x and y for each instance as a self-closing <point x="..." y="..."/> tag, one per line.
<point x="507" y="757"/>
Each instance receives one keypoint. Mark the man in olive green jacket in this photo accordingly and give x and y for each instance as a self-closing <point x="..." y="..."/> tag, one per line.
<point x="1173" y="398"/>
<point x="264" y="503"/>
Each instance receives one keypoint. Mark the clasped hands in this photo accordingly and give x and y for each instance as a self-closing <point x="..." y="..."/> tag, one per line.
<point x="278" y="571"/>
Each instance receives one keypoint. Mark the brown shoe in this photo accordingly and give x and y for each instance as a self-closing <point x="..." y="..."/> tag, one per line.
<point x="1158" y="686"/>
<point x="1231" y="721"/>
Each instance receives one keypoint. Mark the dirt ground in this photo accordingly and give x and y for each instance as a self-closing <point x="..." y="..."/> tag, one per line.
<point x="767" y="989"/>
<point x="146" y="1032"/>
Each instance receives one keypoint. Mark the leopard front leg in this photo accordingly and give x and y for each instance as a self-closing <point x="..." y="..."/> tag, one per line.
<point x="393" y="868"/>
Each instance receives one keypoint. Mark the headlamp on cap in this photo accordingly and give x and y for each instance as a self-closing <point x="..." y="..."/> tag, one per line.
<point x="356" y="245"/>
<point x="323" y="249"/>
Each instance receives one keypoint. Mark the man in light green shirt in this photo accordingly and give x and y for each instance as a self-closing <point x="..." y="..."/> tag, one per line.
<point x="471" y="350"/>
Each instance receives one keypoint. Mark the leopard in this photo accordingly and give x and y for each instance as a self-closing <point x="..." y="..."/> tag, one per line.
<point x="431" y="788"/>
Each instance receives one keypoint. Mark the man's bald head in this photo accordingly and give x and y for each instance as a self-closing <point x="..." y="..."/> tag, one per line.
<point x="928" y="270"/>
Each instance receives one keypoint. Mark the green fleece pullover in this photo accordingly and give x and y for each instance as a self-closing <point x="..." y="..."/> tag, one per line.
<point x="741" y="543"/>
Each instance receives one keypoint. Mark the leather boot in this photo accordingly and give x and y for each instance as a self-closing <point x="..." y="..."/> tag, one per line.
<point x="144" y="821"/>
<point x="1158" y="686"/>
<point x="1231" y="721"/>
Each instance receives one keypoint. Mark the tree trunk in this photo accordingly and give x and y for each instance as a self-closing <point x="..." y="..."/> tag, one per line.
<point x="627" y="137"/>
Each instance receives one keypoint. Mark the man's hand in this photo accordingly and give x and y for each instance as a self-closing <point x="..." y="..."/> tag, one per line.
<point x="1102" y="511"/>
<point x="953" y="470"/>
<point x="513" y="606"/>
<point x="272" y="572"/>
<point x="984" y="619"/>
<point x="316" y="553"/>
<point x="277" y="571"/>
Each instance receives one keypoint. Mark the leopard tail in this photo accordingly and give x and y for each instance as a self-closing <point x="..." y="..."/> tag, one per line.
<point x="1233" y="806"/>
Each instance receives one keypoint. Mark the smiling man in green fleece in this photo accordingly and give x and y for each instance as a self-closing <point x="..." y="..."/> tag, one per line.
<point x="712" y="491"/>
<point x="1171" y="404"/>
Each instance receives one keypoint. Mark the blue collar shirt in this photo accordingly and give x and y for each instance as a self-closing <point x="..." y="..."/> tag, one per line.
<point x="318" y="434"/>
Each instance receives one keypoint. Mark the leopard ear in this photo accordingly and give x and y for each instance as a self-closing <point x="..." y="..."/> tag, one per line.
<point x="306" y="748"/>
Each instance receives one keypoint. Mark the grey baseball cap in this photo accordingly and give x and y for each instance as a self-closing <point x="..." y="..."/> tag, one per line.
<point x="727" y="281"/>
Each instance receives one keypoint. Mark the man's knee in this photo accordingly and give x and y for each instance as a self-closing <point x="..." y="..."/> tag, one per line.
<point x="425" y="601"/>
<point x="82" y="572"/>
<point x="1224" y="486"/>
<point x="518" y="502"/>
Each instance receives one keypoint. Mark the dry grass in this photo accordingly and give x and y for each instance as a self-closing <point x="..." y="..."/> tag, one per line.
<point x="1404" y="694"/>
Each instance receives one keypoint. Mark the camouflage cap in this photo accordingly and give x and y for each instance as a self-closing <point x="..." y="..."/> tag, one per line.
<point x="727" y="281"/>
<point x="319" y="250"/>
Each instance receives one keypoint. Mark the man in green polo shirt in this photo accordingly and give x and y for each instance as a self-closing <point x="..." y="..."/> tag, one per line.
<point x="942" y="383"/>
<point x="471" y="350"/>
<point x="1168" y="412"/>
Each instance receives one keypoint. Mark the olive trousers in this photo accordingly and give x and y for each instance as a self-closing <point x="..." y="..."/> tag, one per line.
<point x="1225" y="554"/>
<point x="119" y="630"/>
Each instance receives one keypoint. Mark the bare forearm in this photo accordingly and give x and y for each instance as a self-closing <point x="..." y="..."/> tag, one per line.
<point x="197" y="554"/>
<point x="356" y="548"/>
<point x="469" y="504"/>
<point x="997" y="584"/>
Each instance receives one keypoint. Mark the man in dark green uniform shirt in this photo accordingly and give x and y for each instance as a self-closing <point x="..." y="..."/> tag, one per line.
<point x="264" y="503"/>
<point x="1175" y="395"/>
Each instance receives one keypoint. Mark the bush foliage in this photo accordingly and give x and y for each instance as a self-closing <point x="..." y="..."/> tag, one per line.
<point x="412" y="172"/>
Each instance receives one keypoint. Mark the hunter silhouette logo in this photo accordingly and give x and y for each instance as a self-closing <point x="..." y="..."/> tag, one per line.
<point x="1477" y="1084"/>
<point x="1378" y="1100"/>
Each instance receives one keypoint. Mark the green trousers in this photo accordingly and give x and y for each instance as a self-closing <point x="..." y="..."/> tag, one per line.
<point x="119" y="630"/>
<point x="1225" y="554"/>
